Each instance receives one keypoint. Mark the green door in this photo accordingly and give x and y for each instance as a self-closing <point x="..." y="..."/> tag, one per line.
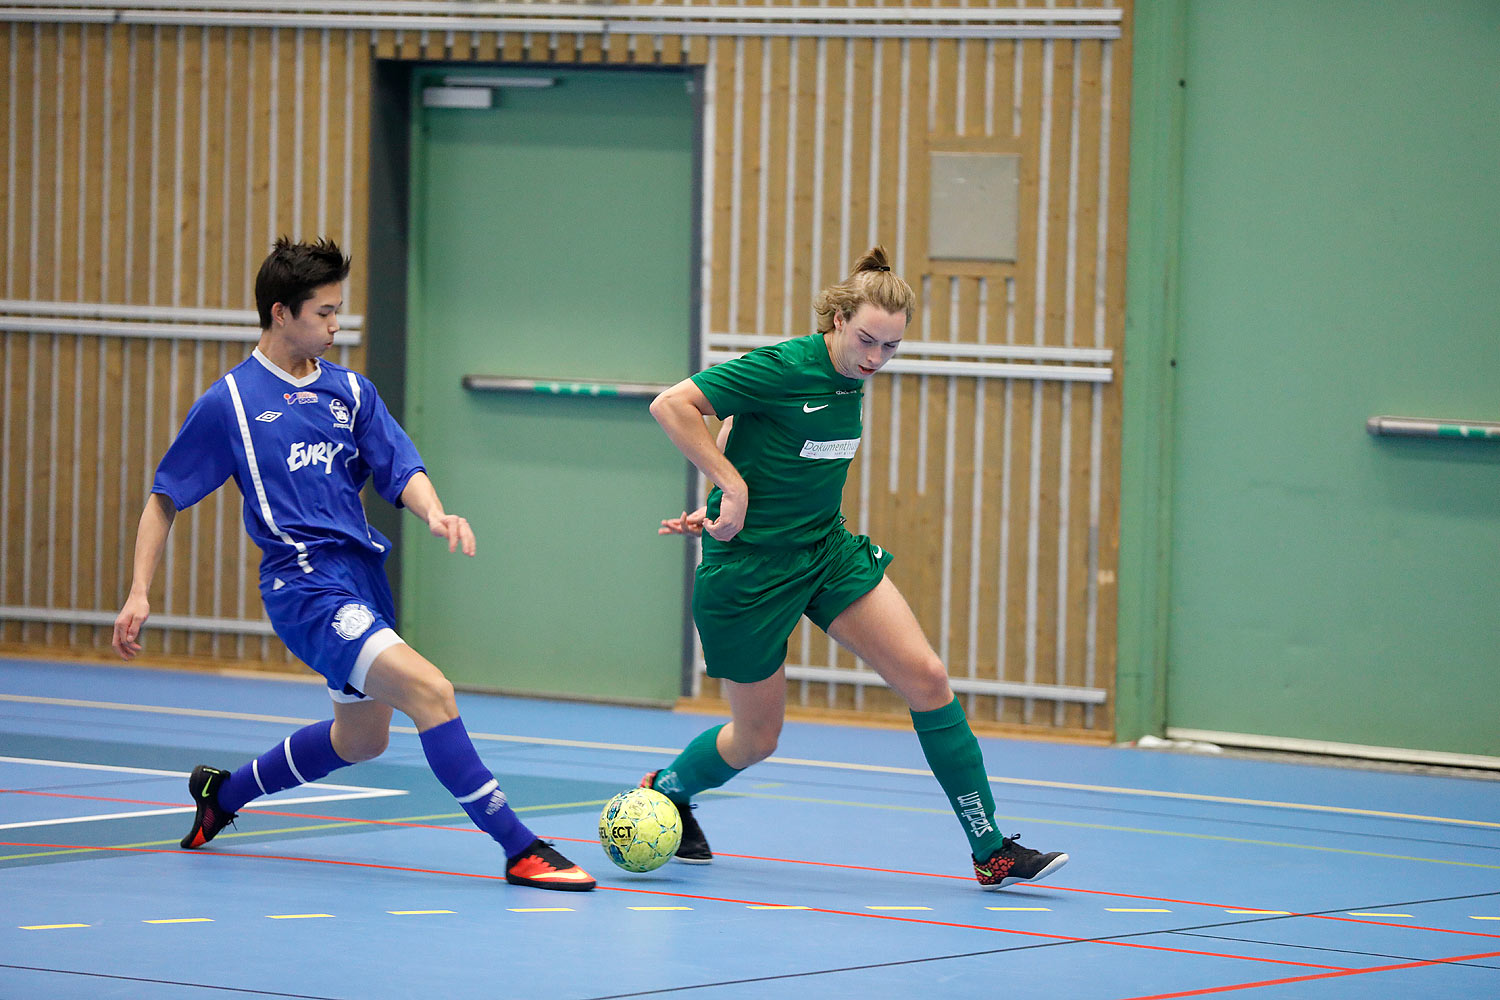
<point x="551" y="239"/>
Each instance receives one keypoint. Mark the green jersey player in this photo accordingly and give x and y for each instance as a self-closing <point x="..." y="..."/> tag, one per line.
<point x="775" y="548"/>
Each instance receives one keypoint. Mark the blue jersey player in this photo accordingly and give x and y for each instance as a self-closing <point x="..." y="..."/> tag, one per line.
<point x="301" y="436"/>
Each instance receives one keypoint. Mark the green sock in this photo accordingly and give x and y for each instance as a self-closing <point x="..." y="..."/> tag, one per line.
<point x="953" y="754"/>
<point x="698" y="767"/>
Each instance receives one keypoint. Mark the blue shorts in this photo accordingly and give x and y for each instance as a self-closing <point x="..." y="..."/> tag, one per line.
<point x="337" y="620"/>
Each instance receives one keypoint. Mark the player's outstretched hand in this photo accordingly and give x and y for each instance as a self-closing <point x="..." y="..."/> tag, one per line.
<point x="128" y="627"/>
<point x="731" y="518"/>
<point x="455" y="530"/>
<point x="687" y="524"/>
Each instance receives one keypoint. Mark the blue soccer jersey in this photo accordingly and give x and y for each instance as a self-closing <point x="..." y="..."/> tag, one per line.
<point x="300" y="450"/>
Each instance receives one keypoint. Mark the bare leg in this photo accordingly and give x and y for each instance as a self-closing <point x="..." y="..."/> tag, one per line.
<point x="361" y="730"/>
<point x="758" y="711"/>
<point x="880" y="629"/>
<point x="405" y="679"/>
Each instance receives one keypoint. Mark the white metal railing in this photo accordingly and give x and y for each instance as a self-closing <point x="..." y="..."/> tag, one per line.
<point x="960" y="685"/>
<point x="45" y="403"/>
<point x="101" y="319"/>
<point x="1092" y="363"/>
<point x="187" y="623"/>
<point x="591" y="19"/>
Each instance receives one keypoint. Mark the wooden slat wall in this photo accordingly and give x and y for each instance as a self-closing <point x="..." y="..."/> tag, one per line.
<point x="197" y="146"/>
<point x="141" y="172"/>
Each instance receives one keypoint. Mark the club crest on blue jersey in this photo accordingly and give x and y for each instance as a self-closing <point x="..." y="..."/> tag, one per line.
<point x="353" y="620"/>
<point x="300" y="397"/>
<point x="340" y="412"/>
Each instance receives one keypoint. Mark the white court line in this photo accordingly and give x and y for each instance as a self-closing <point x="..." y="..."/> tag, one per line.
<point x="344" y="793"/>
<point x="793" y="761"/>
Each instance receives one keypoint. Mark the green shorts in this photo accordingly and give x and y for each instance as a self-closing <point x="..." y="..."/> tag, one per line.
<point x="747" y="608"/>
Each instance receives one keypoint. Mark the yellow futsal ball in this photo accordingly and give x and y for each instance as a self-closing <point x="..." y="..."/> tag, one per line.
<point x="640" y="829"/>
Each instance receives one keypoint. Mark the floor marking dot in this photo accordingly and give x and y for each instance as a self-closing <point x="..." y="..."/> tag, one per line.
<point x="661" y="907"/>
<point x="1363" y="914"/>
<point x="297" y="916"/>
<point x="1128" y="909"/>
<point x="50" y="927"/>
<point x="540" y="909"/>
<point x="414" y="913"/>
<point x="1021" y="909"/>
<point x="181" y="920"/>
<point x="763" y="907"/>
<point x="898" y="907"/>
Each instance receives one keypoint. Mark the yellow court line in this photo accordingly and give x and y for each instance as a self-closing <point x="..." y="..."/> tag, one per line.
<point x="1484" y="918"/>
<point x="540" y="909"/>
<point x="1021" y="909"/>
<point x="898" y="907"/>
<point x="415" y="913"/>
<point x="1134" y="909"/>
<point x="1264" y="913"/>
<point x="1408" y="916"/>
<point x="661" y="907"/>
<point x="754" y="906"/>
<point x="181" y="920"/>
<point x="50" y="927"/>
<point x="297" y="916"/>
<point x="794" y="761"/>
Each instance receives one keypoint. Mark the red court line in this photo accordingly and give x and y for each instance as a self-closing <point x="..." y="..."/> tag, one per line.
<point x="1092" y="892"/>
<point x="1323" y="975"/>
<point x="786" y="861"/>
<point x="682" y="895"/>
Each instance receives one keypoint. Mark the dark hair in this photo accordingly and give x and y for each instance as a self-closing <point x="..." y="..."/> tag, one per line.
<point x="293" y="271"/>
<point x="870" y="281"/>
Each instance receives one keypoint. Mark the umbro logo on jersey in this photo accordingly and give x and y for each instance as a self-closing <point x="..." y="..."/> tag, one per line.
<point x="813" y="409"/>
<point x="268" y="416"/>
<point x="300" y="397"/>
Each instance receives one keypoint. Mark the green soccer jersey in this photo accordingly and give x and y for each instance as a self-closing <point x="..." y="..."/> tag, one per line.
<point x="797" y="425"/>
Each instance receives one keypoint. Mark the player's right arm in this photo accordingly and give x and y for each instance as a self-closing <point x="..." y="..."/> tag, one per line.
<point x="680" y="411"/>
<point x="150" y="540"/>
<point x="196" y="463"/>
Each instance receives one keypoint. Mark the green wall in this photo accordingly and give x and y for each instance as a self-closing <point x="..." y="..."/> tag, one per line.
<point x="1313" y="241"/>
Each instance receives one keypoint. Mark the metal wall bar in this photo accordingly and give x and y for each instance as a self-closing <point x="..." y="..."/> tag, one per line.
<point x="737" y="12"/>
<point x="654" y="25"/>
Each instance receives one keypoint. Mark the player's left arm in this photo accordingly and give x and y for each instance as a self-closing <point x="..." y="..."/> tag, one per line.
<point x="692" y="523"/>
<point x="420" y="497"/>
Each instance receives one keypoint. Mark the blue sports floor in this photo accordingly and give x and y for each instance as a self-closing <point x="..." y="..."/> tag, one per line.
<point x="840" y="871"/>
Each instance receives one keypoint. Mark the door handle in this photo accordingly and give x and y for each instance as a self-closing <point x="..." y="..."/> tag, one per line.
<point x="563" y="387"/>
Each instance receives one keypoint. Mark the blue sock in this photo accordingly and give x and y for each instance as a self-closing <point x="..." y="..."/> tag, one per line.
<point x="304" y="756"/>
<point x="451" y="755"/>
